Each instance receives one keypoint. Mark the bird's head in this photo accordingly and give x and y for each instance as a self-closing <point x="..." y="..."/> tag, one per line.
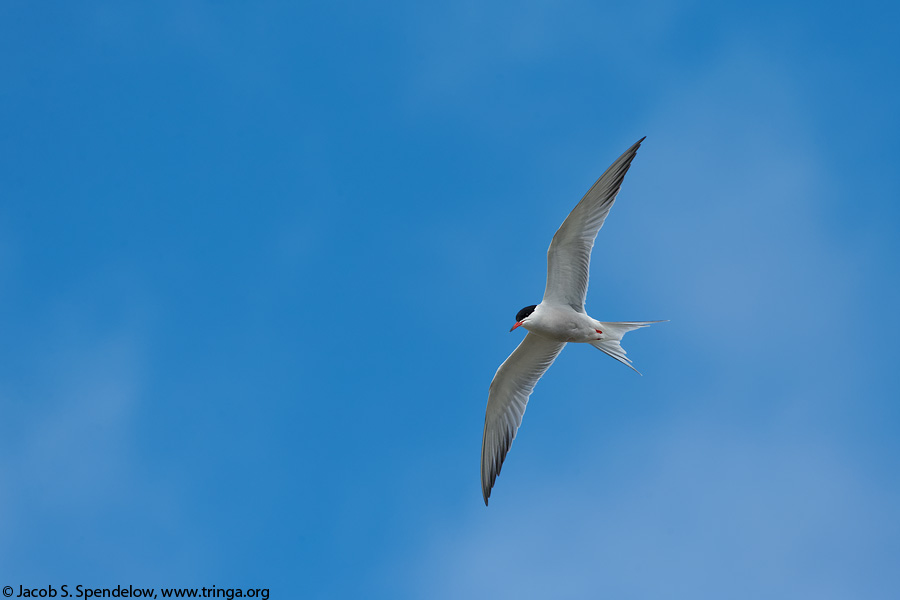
<point x="523" y="314"/>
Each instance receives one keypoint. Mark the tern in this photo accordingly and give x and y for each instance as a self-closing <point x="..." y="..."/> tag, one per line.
<point x="560" y="318"/>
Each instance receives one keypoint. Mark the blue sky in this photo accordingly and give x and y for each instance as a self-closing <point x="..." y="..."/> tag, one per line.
<point x="258" y="264"/>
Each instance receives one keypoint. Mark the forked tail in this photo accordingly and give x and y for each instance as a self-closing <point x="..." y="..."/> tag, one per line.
<point x="616" y="331"/>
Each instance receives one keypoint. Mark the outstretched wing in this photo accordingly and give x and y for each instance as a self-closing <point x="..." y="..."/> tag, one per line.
<point x="569" y="256"/>
<point x="510" y="389"/>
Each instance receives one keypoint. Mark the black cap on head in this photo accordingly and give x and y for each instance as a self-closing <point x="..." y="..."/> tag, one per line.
<point x="525" y="312"/>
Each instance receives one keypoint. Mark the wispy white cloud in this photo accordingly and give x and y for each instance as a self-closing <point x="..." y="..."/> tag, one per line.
<point x="71" y="470"/>
<point x="712" y="513"/>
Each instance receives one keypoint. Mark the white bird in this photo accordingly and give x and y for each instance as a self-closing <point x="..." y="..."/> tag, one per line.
<point x="559" y="318"/>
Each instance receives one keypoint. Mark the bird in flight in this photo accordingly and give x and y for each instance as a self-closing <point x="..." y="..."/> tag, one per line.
<point x="559" y="318"/>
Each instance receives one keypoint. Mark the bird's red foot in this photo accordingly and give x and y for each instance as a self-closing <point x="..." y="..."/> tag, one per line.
<point x="598" y="331"/>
